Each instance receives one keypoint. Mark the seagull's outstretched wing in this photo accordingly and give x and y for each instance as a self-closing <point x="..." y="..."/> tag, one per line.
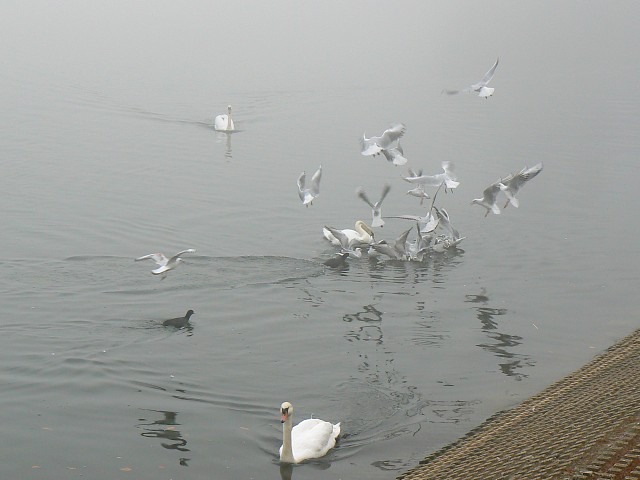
<point x="315" y="181"/>
<point x="159" y="258"/>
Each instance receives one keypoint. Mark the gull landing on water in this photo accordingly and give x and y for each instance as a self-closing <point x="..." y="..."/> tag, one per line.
<point x="481" y="87"/>
<point x="376" y="208"/>
<point x="165" y="264"/>
<point x="386" y="141"/>
<point x="513" y="183"/>
<point x="488" y="200"/>
<point x="307" y="195"/>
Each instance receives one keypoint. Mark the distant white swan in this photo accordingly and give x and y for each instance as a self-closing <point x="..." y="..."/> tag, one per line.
<point x="165" y="264"/>
<point x="311" y="438"/>
<point x="362" y="235"/>
<point x="224" y="123"/>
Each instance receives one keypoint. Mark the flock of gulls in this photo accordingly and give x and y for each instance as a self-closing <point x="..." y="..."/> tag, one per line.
<point x="313" y="438"/>
<point x="434" y="230"/>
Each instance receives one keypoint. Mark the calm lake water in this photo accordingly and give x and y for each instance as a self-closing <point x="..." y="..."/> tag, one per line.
<point x="108" y="153"/>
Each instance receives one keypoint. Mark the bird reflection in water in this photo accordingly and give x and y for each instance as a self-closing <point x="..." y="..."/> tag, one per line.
<point x="226" y="138"/>
<point x="165" y="429"/>
<point x="503" y="342"/>
<point x="371" y="331"/>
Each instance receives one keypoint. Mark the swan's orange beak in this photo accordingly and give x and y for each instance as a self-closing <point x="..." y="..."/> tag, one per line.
<point x="284" y="417"/>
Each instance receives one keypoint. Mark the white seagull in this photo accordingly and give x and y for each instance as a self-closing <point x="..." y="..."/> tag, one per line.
<point x="513" y="183"/>
<point x="376" y="208"/>
<point x="488" y="200"/>
<point x="417" y="249"/>
<point x="345" y="242"/>
<point x="451" y="237"/>
<point x="307" y="195"/>
<point x="444" y="223"/>
<point x="375" y="145"/>
<point x="418" y="191"/>
<point x="448" y="177"/>
<point x="481" y="87"/>
<point x="395" y="155"/>
<point x="165" y="264"/>
<point x="397" y="251"/>
<point x="426" y="223"/>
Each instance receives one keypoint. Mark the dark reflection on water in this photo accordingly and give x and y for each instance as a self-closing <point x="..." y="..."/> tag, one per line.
<point x="503" y="342"/>
<point x="371" y="331"/>
<point x="164" y="429"/>
<point x="286" y="471"/>
<point x="380" y="392"/>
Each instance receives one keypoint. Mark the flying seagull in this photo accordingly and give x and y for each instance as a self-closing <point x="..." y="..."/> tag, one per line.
<point x="376" y="208"/>
<point x="307" y="195"/>
<point x="513" y="183"/>
<point x="165" y="264"/>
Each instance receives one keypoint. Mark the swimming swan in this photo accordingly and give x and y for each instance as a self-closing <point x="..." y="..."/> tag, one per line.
<point x="362" y="235"/>
<point x="311" y="438"/>
<point x="224" y="123"/>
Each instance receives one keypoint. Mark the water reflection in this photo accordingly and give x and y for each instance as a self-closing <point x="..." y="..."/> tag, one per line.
<point x="286" y="470"/>
<point x="385" y="404"/>
<point x="222" y="137"/>
<point x="504" y="343"/>
<point x="371" y="331"/>
<point x="433" y="268"/>
<point x="165" y="429"/>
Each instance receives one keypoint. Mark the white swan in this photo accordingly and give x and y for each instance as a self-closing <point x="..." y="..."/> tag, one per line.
<point x="311" y="438"/>
<point x="362" y="235"/>
<point x="224" y="123"/>
<point x="165" y="263"/>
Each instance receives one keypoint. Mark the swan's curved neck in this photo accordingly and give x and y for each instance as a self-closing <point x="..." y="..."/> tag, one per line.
<point x="229" y="119"/>
<point x="362" y="232"/>
<point x="287" y="453"/>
